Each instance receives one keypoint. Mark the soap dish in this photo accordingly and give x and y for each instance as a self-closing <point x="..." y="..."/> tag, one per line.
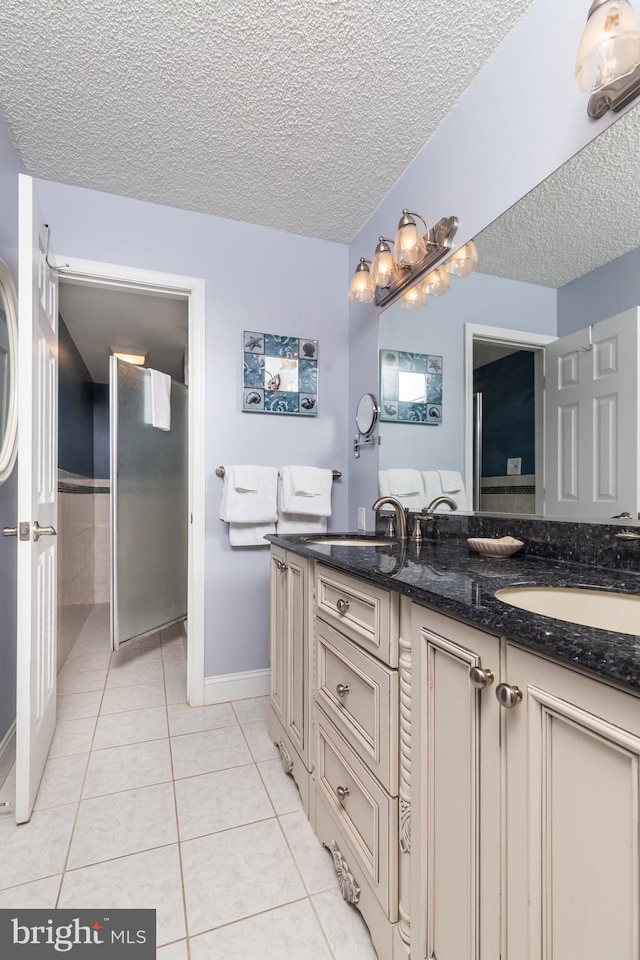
<point x="488" y="547"/>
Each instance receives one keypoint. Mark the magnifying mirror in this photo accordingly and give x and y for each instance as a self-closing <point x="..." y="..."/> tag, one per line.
<point x="8" y="369"/>
<point x="366" y="420"/>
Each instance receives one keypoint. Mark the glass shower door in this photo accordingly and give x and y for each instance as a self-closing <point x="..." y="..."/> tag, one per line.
<point x="149" y="508"/>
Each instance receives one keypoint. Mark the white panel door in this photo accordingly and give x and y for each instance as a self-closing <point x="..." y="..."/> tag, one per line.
<point x="37" y="502"/>
<point x="592" y="415"/>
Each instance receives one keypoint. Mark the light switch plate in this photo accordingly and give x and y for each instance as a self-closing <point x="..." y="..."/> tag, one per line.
<point x="514" y="466"/>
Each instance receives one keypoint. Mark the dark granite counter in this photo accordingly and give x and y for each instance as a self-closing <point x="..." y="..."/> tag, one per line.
<point x="449" y="577"/>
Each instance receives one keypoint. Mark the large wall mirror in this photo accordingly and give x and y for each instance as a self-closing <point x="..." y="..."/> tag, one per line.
<point x="547" y="332"/>
<point x="8" y="369"/>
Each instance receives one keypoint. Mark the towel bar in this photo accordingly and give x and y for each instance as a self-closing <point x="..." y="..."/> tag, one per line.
<point x="220" y="473"/>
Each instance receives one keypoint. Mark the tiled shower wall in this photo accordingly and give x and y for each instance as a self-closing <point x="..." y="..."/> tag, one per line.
<point x="83" y="554"/>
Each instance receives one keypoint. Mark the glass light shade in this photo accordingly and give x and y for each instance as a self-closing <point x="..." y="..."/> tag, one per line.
<point x="410" y="247"/>
<point x="382" y="267"/>
<point x="610" y="46"/>
<point x="464" y="261"/>
<point x="436" y="283"/>
<point x="413" y="299"/>
<point x="362" y="289"/>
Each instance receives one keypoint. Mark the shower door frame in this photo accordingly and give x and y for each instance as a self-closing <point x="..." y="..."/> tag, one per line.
<point x="116" y="277"/>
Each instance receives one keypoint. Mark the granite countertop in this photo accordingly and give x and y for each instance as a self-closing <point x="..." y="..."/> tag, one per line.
<point x="449" y="577"/>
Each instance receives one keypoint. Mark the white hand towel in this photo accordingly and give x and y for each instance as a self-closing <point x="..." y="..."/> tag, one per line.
<point x="250" y="534"/>
<point x="160" y="400"/>
<point x="453" y="485"/>
<point x="250" y="506"/>
<point x="306" y="481"/>
<point x="432" y="485"/>
<point x="295" y="523"/>
<point x="404" y="482"/>
<point x="383" y="483"/>
<point x="246" y="477"/>
<point x="310" y="506"/>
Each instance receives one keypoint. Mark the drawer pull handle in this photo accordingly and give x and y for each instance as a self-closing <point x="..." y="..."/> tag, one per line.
<point x="281" y="566"/>
<point x="343" y="793"/>
<point x="508" y="696"/>
<point x="342" y="689"/>
<point x="343" y="606"/>
<point x="480" y="678"/>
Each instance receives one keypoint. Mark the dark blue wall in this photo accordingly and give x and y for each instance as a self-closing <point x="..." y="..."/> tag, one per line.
<point x="508" y="405"/>
<point x="101" y="430"/>
<point x="75" y="406"/>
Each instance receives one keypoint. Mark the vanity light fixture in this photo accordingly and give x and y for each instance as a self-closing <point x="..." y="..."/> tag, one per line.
<point x="362" y="288"/>
<point x="413" y="298"/>
<point x="436" y="283"/>
<point x="389" y="275"/>
<point x="464" y="261"/>
<point x="608" y="62"/>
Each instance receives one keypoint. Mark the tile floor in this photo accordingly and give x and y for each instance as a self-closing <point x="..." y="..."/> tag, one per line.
<point x="148" y="802"/>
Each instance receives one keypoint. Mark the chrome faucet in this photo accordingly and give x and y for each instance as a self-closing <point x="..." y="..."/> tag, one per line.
<point x="427" y="513"/>
<point x="401" y="516"/>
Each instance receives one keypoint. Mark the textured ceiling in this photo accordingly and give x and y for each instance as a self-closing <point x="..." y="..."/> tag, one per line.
<point x="296" y="114"/>
<point x="584" y="215"/>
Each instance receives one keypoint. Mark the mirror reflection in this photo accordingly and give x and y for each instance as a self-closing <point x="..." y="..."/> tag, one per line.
<point x="557" y="288"/>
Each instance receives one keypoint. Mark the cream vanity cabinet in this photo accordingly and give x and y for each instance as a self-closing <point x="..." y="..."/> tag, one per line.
<point x="291" y="665"/>
<point x="525" y="811"/>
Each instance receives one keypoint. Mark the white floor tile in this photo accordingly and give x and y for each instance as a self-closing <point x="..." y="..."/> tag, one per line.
<point x="151" y="879"/>
<point x="260" y="743"/>
<point x="208" y="750"/>
<point x="219" y="801"/>
<point x="126" y="673"/>
<point x="127" y="767"/>
<point x="281" y="787"/>
<point x="255" y="708"/>
<point x="186" y="719"/>
<point x="74" y="706"/>
<point x="175" y="649"/>
<point x="32" y="896"/>
<point x="288" y="933"/>
<point x="176" y="690"/>
<point x="173" y="951"/>
<point x="119" y="699"/>
<point x="315" y="863"/>
<point x="75" y="681"/>
<point x="237" y="873"/>
<point x="175" y="670"/>
<point x="61" y="781"/>
<point x="131" y="726"/>
<point x="72" y="736"/>
<point x="81" y="662"/>
<point x="344" y="928"/>
<point x="36" y="849"/>
<point x="123" y="823"/>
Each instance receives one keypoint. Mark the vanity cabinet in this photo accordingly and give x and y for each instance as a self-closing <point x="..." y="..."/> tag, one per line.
<point x="526" y="832"/>
<point x="291" y="665"/>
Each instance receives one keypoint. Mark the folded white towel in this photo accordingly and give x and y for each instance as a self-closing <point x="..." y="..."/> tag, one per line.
<point x="160" y="400"/>
<point x="414" y="501"/>
<point x="383" y="483"/>
<point x="432" y="485"/>
<point x="306" y="481"/>
<point x="250" y="506"/>
<point x="296" y="523"/>
<point x="453" y="485"/>
<point x="245" y="477"/>
<point x="250" y="534"/>
<point x="314" y="505"/>
<point x="404" y="482"/>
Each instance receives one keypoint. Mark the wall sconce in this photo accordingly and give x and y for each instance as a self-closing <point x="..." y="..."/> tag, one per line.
<point x="608" y="62"/>
<point x="394" y="274"/>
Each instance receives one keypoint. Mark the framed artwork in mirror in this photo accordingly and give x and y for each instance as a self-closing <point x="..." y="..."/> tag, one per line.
<point x="410" y="387"/>
<point x="280" y="374"/>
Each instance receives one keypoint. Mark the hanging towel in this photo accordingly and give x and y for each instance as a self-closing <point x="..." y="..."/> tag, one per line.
<point x="384" y="487"/>
<point x="432" y="486"/>
<point x="160" y="400"/>
<point x="306" y="481"/>
<point x="250" y="534"/>
<point x="249" y="506"/>
<point x="404" y="483"/>
<point x="295" y="523"/>
<point x="309" y="505"/>
<point x="453" y="485"/>
<point x="245" y="478"/>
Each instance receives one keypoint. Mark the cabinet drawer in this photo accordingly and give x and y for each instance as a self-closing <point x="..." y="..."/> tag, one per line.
<point x="360" y="696"/>
<point x="366" y="814"/>
<point x="367" y="614"/>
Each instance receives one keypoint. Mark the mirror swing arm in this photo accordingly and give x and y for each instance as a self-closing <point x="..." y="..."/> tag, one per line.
<point x="367" y="413"/>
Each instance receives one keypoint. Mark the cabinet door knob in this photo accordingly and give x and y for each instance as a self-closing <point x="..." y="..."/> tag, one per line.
<point x="342" y="689"/>
<point x="281" y="566"/>
<point x="342" y="605"/>
<point x="343" y="793"/>
<point x="508" y="696"/>
<point x="480" y="678"/>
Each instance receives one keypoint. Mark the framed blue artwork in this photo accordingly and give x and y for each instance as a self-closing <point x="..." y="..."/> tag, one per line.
<point x="280" y="374"/>
<point x="410" y="387"/>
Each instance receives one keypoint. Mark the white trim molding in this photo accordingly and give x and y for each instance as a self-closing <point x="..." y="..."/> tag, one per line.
<point x="237" y="686"/>
<point x="97" y="274"/>
<point x="7" y="752"/>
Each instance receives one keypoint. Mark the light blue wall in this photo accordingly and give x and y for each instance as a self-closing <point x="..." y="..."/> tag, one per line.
<point x="439" y="328"/>
<point x="10" y="167"/>
<point x="603" y="293"/>
<point x="256" y="279"/>
<point x="519" y="121"/>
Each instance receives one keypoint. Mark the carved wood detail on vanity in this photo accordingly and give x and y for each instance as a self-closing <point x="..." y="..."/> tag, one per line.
<point x="404" y="669"/>
<point x="346" y="880"/>
<point x="285" y="756"/>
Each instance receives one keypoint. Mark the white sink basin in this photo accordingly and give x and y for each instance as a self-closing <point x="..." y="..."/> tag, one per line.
<point x="619" y="612"/>
<point x="346" y="542"/>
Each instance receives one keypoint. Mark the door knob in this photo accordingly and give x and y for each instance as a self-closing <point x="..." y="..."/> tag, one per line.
<point x="39" y="531"/>
<point x="480" y="678"/>
<point x="508" y="696"/>
<point x="9" y="531"/>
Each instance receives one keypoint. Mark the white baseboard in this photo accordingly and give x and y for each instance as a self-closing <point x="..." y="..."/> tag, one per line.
<point x="236" y="686"/>
<point x="7" y="752"/>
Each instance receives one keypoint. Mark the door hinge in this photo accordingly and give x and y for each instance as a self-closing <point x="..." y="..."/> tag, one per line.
<point x="25" y="531"/>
